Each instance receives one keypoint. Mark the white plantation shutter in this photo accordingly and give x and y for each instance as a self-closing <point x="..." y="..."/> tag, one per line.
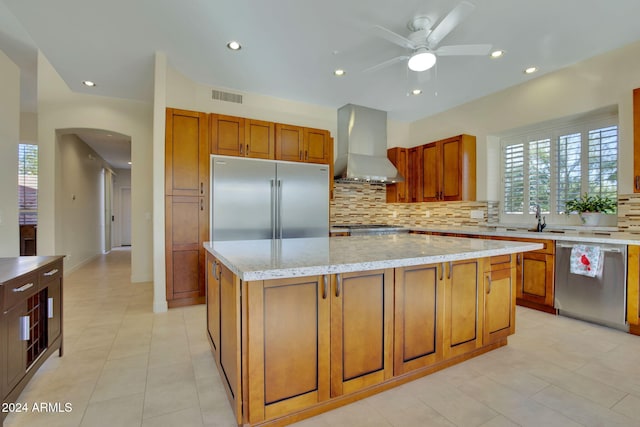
<point x="569" y="181"/>
<point x="539" y="175"/>
<point x="513" y="178"/>
<point x="28" y="183"/>
<point x="558" y="161"/>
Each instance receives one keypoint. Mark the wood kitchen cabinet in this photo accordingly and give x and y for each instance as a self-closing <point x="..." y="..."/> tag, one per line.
<point x="342" y="327"/>
<point x="535" y="275"/>
<point x="398" y="192"/>
<point x="419" y="306"/>
<point x="230" y="325"/>
<point x="636" y="140"/>
<point x="30" y="324"/>
<point x="301" y="144"/>
<point x="449" y="169"/>
<point x="213" y="305"/>
<point x="499" y="299"/>
<point x="633" y="289"/>
<point x="240" y="137"/>
<point x="186" y="205"/>
<point x="414" y="174"/>
<point x="464" y="310"/>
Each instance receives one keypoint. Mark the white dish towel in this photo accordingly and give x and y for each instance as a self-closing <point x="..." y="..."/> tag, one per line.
<point x="586" y="260"/>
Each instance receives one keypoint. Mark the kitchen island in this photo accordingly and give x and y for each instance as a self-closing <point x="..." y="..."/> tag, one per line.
<point x="302" y="326"/>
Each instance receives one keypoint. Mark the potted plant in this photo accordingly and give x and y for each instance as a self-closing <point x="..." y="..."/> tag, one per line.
<point x="591" y="208"/>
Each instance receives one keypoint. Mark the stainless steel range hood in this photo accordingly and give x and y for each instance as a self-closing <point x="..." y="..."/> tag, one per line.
<point x="362" y="146"/>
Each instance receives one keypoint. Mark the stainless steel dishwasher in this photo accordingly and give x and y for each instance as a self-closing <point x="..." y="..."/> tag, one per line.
<point x="601" y="299"/>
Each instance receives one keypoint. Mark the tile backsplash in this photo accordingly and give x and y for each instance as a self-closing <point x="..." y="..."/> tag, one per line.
<point x="366" y="204"/>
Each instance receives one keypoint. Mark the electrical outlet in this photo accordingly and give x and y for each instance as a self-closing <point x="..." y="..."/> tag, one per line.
<point x="477" y="214"/>
<point x="427" y="214"/>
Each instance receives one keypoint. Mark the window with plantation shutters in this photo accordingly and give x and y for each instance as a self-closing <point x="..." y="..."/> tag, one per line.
<point x="28" y="183"/>
<point x="549" y="164"/>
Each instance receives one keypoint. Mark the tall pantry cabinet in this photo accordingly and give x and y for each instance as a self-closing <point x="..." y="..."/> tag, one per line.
<point x="186" y="205"/>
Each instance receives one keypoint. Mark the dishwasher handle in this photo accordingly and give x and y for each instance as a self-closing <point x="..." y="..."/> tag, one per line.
<point x="609" y="250"/>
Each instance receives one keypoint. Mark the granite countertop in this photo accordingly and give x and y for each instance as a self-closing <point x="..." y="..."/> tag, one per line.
<point x="271" y="259"/>
<point x="571" y="235"/>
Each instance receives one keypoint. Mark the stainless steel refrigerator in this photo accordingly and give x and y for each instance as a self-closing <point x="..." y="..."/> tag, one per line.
<point x="266" y="199"/>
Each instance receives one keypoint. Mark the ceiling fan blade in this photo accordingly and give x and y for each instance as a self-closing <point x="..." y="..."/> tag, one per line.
<point x="449" y="22"/>
<point x="393" y="37"/>
<point x="386" y="63"/>
<point x="463" y="49"/>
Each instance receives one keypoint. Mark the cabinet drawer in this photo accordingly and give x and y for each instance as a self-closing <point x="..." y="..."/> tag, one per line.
<point x="548" y="247"/>
<point x="18" y="289"/>
<point x="500" y="262"/>
<point x="50" y="272"/>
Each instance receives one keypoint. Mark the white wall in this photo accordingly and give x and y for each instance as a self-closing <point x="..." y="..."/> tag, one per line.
<point x="80" y="199"/>
<point x="122" y="179"/>
<point x="29" y="128"/>
<point x="602" y="81"/>
<point x="9" y="137"/>
<point x="59" y="108"/>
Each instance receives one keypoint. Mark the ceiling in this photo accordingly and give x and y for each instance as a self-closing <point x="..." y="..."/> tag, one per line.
<point x="290" y="48"/>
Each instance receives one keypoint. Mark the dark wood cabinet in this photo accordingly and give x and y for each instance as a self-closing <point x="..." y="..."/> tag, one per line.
<point x="31" y="320"/>
<point x="186" y="205"/>
<point x="414" y="174"/>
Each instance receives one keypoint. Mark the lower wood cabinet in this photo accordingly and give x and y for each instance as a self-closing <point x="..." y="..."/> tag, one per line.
<point x="499" y="301"/>
<point x="419" y="306"/>
<point x="287" y="348"/>
<point x="633" y="289"/>
<point x="463" y="307"/>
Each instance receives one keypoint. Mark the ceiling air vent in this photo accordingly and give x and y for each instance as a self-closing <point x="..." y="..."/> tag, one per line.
<point x="226" y="96"/>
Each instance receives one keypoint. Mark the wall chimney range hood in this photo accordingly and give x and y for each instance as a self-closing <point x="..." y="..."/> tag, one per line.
<point x="362" y="147"/>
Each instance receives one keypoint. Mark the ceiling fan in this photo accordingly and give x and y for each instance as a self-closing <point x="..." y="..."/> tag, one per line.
<point x="423" y="40"/>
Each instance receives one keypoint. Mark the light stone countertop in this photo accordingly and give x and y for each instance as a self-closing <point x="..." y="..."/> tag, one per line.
<point x="271" y="259"/>
<point x="594" y="237"/>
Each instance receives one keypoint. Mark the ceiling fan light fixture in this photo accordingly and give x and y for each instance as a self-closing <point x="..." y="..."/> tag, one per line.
<point x="421" y="60"/>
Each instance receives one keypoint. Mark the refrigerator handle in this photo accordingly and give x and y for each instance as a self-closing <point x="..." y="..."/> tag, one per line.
<point x="273" y="209"/>
<point x="279" y="216"/>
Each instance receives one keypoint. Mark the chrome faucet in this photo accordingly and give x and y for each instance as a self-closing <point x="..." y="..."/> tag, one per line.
<point x="542" y="221"/>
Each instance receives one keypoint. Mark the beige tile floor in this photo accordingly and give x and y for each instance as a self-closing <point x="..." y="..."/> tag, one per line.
<point x="126" y="366"/>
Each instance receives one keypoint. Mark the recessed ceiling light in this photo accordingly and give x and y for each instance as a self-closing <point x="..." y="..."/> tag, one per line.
<point x="339" y="72"/>
<point x="497" y="54"/>
<point x="234" y="45"/>
<point x="416" y="91"/>
<point x="530" y="70"/>
<point x="88" y="83"/>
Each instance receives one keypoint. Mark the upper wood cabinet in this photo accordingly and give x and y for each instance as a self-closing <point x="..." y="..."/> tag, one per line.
<point x="227" y="135"/>
<point x="449" y="169"/>
<point x="186" y="153"/>
<point x="439" y="171"/>
<point x="636" y="140"/>
<point x="300" y="144"/>
<point x="398" y="193"/>
<point x="259" y="139"/>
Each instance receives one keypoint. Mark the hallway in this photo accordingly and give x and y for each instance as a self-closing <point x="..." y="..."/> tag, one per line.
<point x="126" y="366"/>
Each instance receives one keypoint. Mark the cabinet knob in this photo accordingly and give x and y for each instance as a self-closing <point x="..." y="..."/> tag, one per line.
<point x="338" y="284"/>
<point x="50" y="308"/>
<point x="23" y="287"/>
<point x="201" y="204"/>
<point x="324" y="286"/>
<point x="202" y="188"/>
<point x="241" y="148"/>
<point x="637" y="182"/>
<point x="442" y="271"/>
<point x="489" y="283"/>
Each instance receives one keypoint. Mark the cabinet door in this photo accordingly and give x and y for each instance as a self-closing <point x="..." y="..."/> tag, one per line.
<point x="288" y="377"/>
<point x="419" y="305"/>
<point x="463" y="307"/>
<point x="361" y="330"/>
<point x="397" y="193"/>
<point x="260" y="139"/>
<point x="430" y="173"/>
<point x="499" y="304"/>
<point x="54" y="309"/>
<point x="227" y="135"/>
<point x="14" y="347"/>
<point x="186" y="220"/>
<point x="230" y="337"/>
<point x="186" y="153"/>
<point x="415" y="174"/>
<point x="316" y="146"/>
<point x="636" y="140"/>
<point x="213" y="305"/>
<point x="289" y="143"/>
<point x="633" y="288"/>
<point x="535" y="278"/>
<point x="450" y="170"/>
